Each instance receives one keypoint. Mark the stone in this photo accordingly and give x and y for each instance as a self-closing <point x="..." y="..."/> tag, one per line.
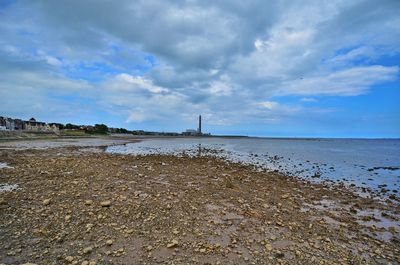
<point x="88" y="202"/>
<point x="105" y="203"/>
<point x="69" y="258"/>
<point x="268" y="247"/>
<point x="109" y="242"/>
<point x="173" y="243"/>
<point x="46" y="202"/>
<point x="87" y="250"/>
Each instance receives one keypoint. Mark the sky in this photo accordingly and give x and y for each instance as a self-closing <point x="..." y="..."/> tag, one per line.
<point x="261" y="68"/>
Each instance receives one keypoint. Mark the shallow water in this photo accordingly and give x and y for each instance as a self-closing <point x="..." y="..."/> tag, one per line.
<point x="4" y="165"/>
<point x="373" y="164"/>
<point x="8" y="187"/>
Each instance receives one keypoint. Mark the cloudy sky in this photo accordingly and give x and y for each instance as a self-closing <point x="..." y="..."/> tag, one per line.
<point x="268" y="68"/>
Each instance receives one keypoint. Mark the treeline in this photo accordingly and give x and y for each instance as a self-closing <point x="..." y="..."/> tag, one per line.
<point x="96" y="129"/>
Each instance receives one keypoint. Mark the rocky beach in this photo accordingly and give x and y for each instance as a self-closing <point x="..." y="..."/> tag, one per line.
<point x="81" y="205"/>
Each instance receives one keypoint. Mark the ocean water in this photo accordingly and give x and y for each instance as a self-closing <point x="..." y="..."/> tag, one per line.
<point x="368" y="164"/>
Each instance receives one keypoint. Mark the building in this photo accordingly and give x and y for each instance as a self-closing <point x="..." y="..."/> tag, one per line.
<point x="2" y="124"/>
<point x="19" y="124"/>
<point x="34" y="126"/>
<point x="190" y="132"/>
<point x="10" y="124"/>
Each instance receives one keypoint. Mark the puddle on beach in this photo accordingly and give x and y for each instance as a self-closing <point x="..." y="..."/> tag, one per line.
<point x="9" y="187"/>
<point x="376" y="218"/>
<point x="379" y="224"/>
<point x="4" y="165"/>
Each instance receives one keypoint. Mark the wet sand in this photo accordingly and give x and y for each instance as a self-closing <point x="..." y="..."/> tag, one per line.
<point x="78" y="205"/>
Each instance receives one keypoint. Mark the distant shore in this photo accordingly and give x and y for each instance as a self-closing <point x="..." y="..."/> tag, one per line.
<point x="78" y="204"/>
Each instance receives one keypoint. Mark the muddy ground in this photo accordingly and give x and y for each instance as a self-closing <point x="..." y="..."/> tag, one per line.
<point x="83" y="206"/>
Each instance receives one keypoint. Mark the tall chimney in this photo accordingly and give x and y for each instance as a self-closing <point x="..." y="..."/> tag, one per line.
<point x="199" y="129"/>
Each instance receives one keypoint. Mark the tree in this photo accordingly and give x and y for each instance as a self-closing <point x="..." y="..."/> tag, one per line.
<point x="71" y="126"/>
<point x="100" y="128"/>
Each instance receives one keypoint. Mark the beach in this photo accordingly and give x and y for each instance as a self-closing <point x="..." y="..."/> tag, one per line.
<point x="77" y="204"/>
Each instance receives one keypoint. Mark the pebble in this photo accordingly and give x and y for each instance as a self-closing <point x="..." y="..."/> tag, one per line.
<point x="105" y="203"/>
<point x="173" y="243"/>
<point x="87" y="250"/>
<point x="46" y="202"/>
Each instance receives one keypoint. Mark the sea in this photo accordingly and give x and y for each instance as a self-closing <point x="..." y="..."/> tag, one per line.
<point x="369" y="165"/>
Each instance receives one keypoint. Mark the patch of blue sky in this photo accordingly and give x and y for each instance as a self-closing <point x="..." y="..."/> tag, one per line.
<point x="388" y="60"/>
<point x="130" y="59"/>
<point x="92" y="72"/>
<point x="6" y="3"/>
<point x="151" y="59"/>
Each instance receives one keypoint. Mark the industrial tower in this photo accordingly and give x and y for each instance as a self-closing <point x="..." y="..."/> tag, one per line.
<point x="199" y="129"/>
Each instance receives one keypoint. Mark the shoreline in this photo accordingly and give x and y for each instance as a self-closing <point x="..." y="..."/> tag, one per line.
<point x="106" y="141"/>
<point x="164" y="209"/>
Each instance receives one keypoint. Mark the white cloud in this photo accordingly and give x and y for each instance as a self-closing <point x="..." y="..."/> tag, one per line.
<point x="136" y="117"/>
<point x="349" y="82"/>
<point x="269" y="105"/>
<point x="308" y="100"/>
<point x="221" y="87"/>
<point x="53" y="61"/>
<point x="126" y="82"/>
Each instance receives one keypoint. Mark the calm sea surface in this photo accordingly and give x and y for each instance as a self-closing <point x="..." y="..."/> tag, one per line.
<point x="373" y="164"/>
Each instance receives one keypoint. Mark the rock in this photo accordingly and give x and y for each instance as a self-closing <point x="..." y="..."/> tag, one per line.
<point x="3" y="201"/>
<point x="29" y="263"/>
<point x="88" y="202"/>
<point x="268" y="247"/>
<point x="92" y="263"/>
<point x="85" y="262"/>
<point x="87" y="250"/>
<point x="173" y="243"/>
<point x="46" y="202"/>
<point x="109" y="242"/>
<point x="69" y="258"/>
<point x="105" y="203"/>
